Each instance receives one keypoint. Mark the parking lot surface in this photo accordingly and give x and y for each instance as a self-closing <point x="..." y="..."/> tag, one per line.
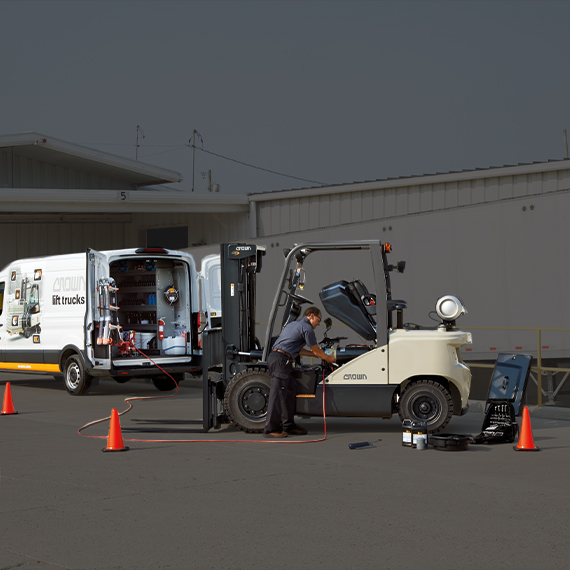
<point x="231" y="505"/>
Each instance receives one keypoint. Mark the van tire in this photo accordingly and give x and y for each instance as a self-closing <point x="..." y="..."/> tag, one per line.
<point x="165" y="383"/>
<point x="246" y="399"/>
<point x="426" y="401"/>
<point x="77" y="380"/>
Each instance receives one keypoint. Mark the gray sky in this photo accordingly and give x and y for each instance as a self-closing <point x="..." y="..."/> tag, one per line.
<point x="328" y="91"/>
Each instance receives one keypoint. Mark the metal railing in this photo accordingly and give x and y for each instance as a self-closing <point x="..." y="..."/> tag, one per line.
<point x="539" y="370"/>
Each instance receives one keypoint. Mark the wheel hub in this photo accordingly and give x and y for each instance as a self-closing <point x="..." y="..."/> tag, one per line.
<point x="253" y="402"/>
<point x="426" y="408"/>
<point x="73" y="376"/>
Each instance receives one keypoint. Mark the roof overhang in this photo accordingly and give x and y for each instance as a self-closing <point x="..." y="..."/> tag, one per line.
<point x="48" y="149"/>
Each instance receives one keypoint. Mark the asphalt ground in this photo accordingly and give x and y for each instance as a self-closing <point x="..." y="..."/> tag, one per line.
<point x="228" y="505"/>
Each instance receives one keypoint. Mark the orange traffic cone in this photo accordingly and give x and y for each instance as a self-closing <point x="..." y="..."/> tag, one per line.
<point x="526" y="442"/>
<point x="115" y="439"/>
<point x="8" y="407"/>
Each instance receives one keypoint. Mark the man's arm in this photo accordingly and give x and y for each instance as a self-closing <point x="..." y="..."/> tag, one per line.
<point x="318" y="353"/>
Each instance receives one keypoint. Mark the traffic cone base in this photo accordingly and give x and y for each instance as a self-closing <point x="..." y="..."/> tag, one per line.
<point x="8" y="407"/>
<point x="115" y="439"/>
<point x="526" y="441"/>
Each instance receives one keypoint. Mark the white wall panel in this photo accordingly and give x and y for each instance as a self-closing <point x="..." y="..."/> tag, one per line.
<point x="390" y="202"/>
<point x="414" y="200"/>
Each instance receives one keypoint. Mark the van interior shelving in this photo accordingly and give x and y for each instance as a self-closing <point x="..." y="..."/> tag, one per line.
<point x="149" y="291"/>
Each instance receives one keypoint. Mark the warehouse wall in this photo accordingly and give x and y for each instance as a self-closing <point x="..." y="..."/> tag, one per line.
<point x="393" y="199"/>
<point x="508" y="261"/>
<point x="52" y="234"/>
<point x="20" y="171"/>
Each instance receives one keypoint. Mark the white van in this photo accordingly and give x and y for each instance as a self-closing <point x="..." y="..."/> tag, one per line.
<point x="119" y="314"/>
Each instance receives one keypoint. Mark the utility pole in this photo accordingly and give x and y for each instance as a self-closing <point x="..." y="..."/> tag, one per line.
<point x="194" y="133"/>
<point x="565" y="144"/>
<point x="209" y="173"/>
<point x="138" y="130"/>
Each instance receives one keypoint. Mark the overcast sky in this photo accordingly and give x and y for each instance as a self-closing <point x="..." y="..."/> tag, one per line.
<point x="325" y="91"/>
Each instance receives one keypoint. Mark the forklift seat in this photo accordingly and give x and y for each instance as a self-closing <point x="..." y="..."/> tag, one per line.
<point x="352" y="304"/>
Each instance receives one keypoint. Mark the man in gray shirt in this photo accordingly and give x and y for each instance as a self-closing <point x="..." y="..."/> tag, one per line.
<point x="295" y="336"/>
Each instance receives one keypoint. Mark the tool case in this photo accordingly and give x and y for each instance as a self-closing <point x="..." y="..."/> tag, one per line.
<point x="506" y="392"/>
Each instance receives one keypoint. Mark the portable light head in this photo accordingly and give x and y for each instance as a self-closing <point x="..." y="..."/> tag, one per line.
<point x="449" y="308"/>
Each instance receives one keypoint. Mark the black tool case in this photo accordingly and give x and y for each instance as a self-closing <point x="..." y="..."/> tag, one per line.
<point x="506" y="391"/>
<point x="509" y="380"/>
<point x="500" y="424"/>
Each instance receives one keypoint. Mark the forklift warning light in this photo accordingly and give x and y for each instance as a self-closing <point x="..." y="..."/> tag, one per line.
<point x="387" y="248"/>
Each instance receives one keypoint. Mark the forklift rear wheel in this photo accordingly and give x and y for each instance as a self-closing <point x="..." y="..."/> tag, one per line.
<point x="246" y="398"/>
<point x="427" y="401"/>
<point x="77" y="381"/>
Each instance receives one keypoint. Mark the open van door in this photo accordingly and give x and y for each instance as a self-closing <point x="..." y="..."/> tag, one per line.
<point x="97" y="273"/>
<point x="212" y="290"/>
<point x="2" y="317"/>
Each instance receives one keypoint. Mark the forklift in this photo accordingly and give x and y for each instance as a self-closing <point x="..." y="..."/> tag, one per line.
<point x="414" y="371"/>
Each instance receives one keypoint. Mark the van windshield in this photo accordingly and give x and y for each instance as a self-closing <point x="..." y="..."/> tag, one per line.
<point x="1" y="296"/>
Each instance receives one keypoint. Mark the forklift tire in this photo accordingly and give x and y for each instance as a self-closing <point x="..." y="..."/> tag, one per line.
<point x="76" y="379"/>
<point x="246" y="399"/>
<point x="426" y="401"/>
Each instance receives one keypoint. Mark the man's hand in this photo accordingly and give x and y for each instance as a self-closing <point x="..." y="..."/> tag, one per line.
<point x="320" y="353"/>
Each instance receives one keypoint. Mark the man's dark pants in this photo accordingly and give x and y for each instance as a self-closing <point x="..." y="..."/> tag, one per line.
<point x="282" y="395"/>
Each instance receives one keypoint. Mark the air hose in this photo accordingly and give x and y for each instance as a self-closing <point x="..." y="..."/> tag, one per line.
<point x="134" y="399"/>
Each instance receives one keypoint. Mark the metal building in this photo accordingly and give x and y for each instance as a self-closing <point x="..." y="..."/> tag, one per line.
<point x="59" y="197"/>
<point x="496" y="237"/>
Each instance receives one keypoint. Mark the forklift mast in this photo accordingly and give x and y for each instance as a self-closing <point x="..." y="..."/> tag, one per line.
<point x="239" y="265"/>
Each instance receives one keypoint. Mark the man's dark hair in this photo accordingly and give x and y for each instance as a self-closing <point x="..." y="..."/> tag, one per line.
<point x="312" y="311"/>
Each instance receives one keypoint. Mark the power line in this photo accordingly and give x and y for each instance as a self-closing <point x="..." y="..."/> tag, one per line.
<point x="260" y="168"/>
<point x="175" y="147"/>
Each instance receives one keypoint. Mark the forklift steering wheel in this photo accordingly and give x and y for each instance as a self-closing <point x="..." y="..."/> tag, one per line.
<point x="300" y="299"/>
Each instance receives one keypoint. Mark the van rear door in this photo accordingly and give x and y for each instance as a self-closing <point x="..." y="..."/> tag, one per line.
<point x="210" y="272"/>
<point x="97" y="270"/>
<point x="2" y="317"/>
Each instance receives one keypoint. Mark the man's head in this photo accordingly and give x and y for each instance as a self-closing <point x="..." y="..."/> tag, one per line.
<point x="313" y="315"/>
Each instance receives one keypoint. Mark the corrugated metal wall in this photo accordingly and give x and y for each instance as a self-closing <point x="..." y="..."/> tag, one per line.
<point x="509" y="261"/>
<point x="20" y="171"/>
<point x="289" y="215"/>
<point x="54" y="237"/>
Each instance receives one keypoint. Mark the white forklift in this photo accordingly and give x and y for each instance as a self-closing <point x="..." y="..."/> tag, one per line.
<point x="410" y="370"/>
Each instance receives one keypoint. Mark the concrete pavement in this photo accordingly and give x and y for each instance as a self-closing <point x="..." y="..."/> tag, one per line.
<point x="65" y="504"/>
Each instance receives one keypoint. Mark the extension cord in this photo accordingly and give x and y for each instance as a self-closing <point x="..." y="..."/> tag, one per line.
<point x="133" y="399"/>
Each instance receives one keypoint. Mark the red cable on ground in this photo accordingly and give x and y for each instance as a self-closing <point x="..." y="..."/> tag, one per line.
<point x="133" y="399"/>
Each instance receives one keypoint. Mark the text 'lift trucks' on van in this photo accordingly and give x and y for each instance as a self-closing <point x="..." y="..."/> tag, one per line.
<point x="106" y="314"/>
<point x="410" y="370"/>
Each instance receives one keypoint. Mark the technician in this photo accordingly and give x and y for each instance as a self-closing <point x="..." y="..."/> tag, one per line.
<point x="295" y="336"/>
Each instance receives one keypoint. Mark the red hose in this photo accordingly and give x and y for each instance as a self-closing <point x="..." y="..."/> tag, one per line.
<point x="130" y="406"/>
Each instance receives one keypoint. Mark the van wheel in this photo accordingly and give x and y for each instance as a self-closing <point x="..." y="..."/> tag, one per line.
<point x="246" y="399"/>
<point x="426" y="401"/>
<point x="166" y="383"/>
<point x="121" y="379"/>
<point x="76" y="379"/>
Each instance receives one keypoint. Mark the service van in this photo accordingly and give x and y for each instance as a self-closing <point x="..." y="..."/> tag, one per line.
<point x="120" y="314"/>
